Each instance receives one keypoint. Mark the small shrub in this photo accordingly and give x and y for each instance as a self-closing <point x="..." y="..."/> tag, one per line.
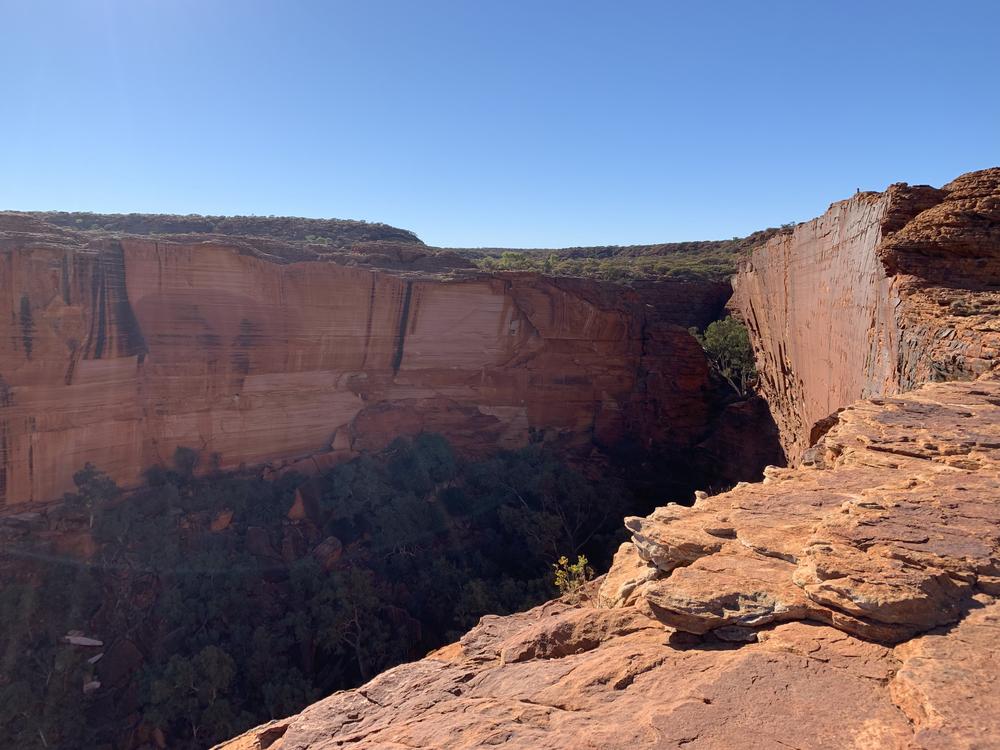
<point x="569" y="577"/>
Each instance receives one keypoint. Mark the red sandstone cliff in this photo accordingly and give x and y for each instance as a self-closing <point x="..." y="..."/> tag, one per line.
<point x="116" y="349"/>
<point x="883" y="292"/>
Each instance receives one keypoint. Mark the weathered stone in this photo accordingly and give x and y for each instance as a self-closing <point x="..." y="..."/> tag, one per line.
<point x="879" y="554"/>
<point x="221" y="521"/>
<point x="775" y="597"/>
<point x="881" y="293"/>
<point x="946" y="684"/>
<point x="627" y="572"/>
<point x="328" y="552"/>
<point x="629" y="688"/>
<point x="118" y="349"/>
<point x="726" y="590"/>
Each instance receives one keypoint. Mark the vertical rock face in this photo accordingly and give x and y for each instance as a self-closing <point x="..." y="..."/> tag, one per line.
<point x="117" y="350"/>
<point x="881" y="293"/>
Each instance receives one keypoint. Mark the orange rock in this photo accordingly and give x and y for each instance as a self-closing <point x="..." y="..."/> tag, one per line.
<point x="328" y="552"/>
<point x="118" y="349"/>
<point x="883" y="538"/>
<point x="298" y="510"/>
<point x="221" y="521"/>
<point x="945" y="682"/>
<point x="883" y="292"/>
<point x="845" y="603"/>
<point x="773" y="583"/>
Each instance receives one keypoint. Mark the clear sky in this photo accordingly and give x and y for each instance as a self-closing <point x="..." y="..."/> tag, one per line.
<point x="493" y="123"/>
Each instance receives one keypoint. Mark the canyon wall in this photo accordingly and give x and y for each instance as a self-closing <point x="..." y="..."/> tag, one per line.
<point x="117" y="349"/>
<point x="881" y="293"/>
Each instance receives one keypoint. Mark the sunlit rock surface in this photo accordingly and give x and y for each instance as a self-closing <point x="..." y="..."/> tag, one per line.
<point x="883" y="292"/>
<point x="849" y="602"/>
<point x="116" y="349"/>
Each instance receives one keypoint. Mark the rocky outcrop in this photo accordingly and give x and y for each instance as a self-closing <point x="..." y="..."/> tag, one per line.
<point x="847" y="603"/>
<point x="890" y="531"/>
<point x="883" y="292"/>
<point x="116" y="349"/>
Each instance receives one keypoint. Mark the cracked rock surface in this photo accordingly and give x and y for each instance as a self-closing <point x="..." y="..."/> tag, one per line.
<point x="889" y="531"/>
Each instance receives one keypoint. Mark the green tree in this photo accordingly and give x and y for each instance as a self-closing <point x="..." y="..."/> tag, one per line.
<point x="352" y="620"/>
<point x="190" y="696"/>
<point x="730" y="355"/>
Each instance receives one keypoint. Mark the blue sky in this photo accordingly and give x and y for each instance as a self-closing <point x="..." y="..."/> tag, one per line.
<point x="504" y="123"/>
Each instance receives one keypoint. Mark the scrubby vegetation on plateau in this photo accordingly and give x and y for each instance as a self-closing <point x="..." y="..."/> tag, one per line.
<point x="336" y="232"/>
<point x="683" y="261"/>
<point x="224" y="600"/>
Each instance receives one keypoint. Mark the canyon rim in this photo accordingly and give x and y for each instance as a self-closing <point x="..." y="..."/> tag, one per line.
<point x="453" y="375"/>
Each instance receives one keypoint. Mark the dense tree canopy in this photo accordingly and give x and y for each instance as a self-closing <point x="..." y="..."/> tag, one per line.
<point x="241" y="614"/>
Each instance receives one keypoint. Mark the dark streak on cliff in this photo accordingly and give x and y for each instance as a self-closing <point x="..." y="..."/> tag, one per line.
<point x="397" y="358"/>
<point x="114" y="314"/>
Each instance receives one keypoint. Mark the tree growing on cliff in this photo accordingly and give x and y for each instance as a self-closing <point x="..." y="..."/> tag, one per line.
<point x="727" y="345"/>
<point x="94" y="489"/>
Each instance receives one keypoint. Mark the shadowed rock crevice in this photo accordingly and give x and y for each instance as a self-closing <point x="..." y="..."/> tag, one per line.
<point x="404" y="319"/>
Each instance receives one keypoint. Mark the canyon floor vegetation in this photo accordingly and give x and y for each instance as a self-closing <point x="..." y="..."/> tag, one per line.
<point x="222" y="600"/>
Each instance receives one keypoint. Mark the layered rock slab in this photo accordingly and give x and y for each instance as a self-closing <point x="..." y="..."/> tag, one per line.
<point x="847" y="603"/>
<point x="888" y="531"/>
<point x="630" y="687"/>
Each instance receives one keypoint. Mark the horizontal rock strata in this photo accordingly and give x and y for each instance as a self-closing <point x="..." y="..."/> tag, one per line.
<point x="117" y="349"/>
<point x="889" y="531"/>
